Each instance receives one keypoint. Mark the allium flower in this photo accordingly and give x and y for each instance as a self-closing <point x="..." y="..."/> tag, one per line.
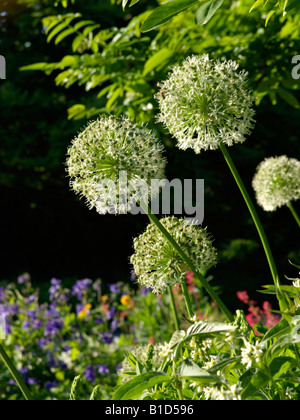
<point x="112" y="162"/>
<point x="158" y="265"/>
<point x="277" y="182"/>
<point x="206" y="102"/>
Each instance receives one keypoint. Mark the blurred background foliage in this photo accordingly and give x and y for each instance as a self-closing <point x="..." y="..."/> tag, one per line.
<point x="92" y="57"/>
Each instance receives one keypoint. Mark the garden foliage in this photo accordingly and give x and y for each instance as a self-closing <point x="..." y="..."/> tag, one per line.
<point x="183" y="345"/>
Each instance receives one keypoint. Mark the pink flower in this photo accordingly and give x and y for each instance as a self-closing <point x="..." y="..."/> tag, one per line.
<point x="243" y="296"/>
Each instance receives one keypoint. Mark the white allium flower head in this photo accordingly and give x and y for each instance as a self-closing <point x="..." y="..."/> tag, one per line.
<point x="156" y="263"/>
<point x="277" y="182"/>
<point x="111" y="160"/>
<point x="206" y="102"/>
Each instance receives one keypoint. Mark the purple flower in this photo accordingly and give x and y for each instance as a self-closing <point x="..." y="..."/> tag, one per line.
<point x="111" y="313"/>
<point x="80" y="288"/>
<point x="32" y="381"/>
<point x="50" y="385"/>
<point x="106" y="337"/>
<point x="54" y="289"/>
<point x="89" y="373"/>
<point x="114" y="288"/>
<point x="145" y="291"/>
<point x="102" y="369"/>
<point x="44" y="342"/>
<point x="133" y="276"/>
<point x="31" y="299"/>
<point x="114" y="325"/>
<point x="53" y="326"/>
<point x="2" y="294"/>
<point x="24" y="278"/>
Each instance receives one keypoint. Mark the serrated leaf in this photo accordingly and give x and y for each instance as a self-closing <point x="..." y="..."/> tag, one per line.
<point x="206" y="11"/>
<point x="166" y="12"/>
<point x="135" y="388"/>
<point x="190" y="370"/>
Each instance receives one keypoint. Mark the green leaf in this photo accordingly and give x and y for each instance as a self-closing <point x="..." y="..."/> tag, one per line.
<point x="281" y="365"/>
<point x="63" y="35"/>
<point x="279" y="329"/>
<point x="96" y="394"/>
<point x="224" y="363"/>
<point x="157" y="60"/>
<point x="290" y="291"/>
<point x="82" y="23"/>
<point x="75" y="390"/>
<point x="203" y="330"/>
<point x="61" y="26"/>
<point x="190" y="370"/>
<point x="133" y="2"/>
<point x="166" y="12"/>
<point x="289" y="97"/>
<point x="36" y="66"/>
<point x="256" y="4"/>
<point x="206" y="11"/>
<point x="258" y="381"/>
<point x="135" y="388"/>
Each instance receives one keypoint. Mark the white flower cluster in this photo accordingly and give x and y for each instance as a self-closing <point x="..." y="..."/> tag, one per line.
<point x="231" y="393"/>
<point x="156" y="263"/>
<point x="206" y="102"/>
<point x="277" y="182"/>
<point x="110" y="159"/>
<point x="251" y="354"/>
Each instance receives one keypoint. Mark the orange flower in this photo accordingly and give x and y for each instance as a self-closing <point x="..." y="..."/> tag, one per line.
<point x="85" y="311"/>
<point x="125" y="300"/>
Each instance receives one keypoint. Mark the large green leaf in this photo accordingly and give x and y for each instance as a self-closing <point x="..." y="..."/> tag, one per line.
<point x="166" y="12"/>
<point x="157" y="60"/>
<point x="206" y="11"/>
<point x="258" y="381"/>
<point x="203" y="330"/>
<point x="136" y="387"/>
<point x="190" y="370"/>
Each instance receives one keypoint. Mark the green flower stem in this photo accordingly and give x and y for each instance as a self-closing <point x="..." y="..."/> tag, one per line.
<point x="15" y="374"/>
<point x="173" y="309"/>
<point x="187" y="299"/>
<point x="254" y="214"/>
<point x="191" y="266"/>
<point x="294" y="213"/>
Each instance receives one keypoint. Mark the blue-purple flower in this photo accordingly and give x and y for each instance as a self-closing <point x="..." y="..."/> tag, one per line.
<point x="80" y="288"/>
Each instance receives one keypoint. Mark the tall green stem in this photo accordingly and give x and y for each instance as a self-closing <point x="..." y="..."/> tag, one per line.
<point x="294" y="213"/>
<point x="191" y="266"/>
<point x="15" y="374"/>
<point x="254" y="214"/>
<point x="173" y="309"/>
<point x="187" y="299"/>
